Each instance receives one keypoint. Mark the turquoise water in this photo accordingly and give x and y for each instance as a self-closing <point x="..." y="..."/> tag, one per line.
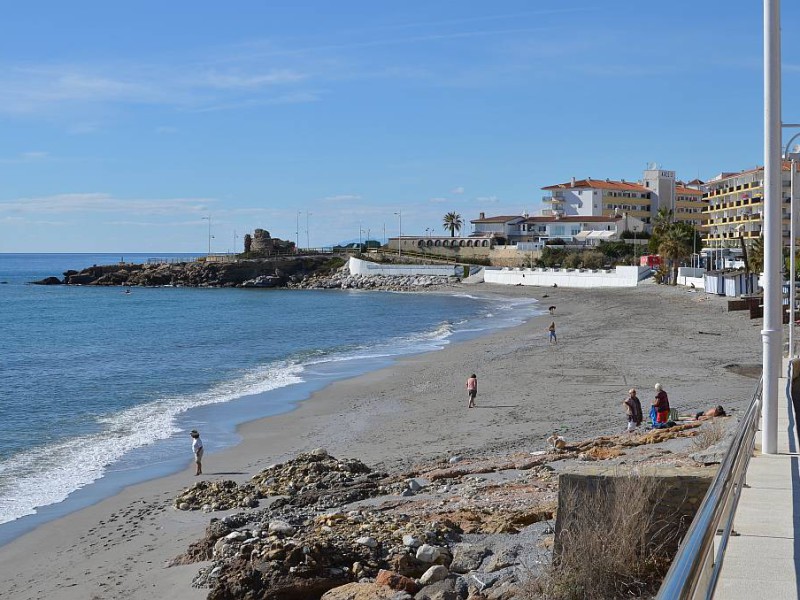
<point x="97" y="382"/>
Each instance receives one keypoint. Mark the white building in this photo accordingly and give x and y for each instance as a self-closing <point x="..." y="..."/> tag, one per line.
<point x="642" y="200"/>
<point x="588" y="230"/>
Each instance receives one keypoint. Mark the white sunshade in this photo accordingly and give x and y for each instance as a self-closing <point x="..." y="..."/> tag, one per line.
<point x="581" y="235"/>
<point x="600" y="235"/>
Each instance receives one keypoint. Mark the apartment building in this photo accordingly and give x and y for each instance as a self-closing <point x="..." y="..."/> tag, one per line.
<point x="736" y="205"/>
<point x="642" y="200"/>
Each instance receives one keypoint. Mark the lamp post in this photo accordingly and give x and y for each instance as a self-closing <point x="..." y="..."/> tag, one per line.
<point x="297" y="233"/>
<point x="792" y="242"/>
<point x="773" y="309"/>
<point x="308" y="235"/>
<point x="208" y="218"/>
<point x="399" y="214"/>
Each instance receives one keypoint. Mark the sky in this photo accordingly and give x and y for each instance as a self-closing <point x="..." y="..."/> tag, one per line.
<point x="133" y="126"/>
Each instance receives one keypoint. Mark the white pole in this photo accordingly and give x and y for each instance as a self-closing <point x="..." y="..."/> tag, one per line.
<point x="791" y="261"/>
<point x="399" y="214"/>
<point x="773" y="309"/>
<point x="308" y="235"/>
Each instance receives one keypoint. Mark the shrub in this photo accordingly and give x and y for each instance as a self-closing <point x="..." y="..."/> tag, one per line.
<point x="614" y="542"/>
<point x="708" y="435"/>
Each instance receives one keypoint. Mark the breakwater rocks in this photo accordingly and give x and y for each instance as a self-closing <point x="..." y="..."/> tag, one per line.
<point x="244" y="273"/>
<point x="342" y="279"/>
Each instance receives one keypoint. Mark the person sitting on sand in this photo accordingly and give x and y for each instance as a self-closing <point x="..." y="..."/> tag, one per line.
<point x="197" y="449"/>
<point x="472" y="389"/>
<point x="634" y="409"/>
<point x="556" y="442"/>
<point x="661" y="404"/>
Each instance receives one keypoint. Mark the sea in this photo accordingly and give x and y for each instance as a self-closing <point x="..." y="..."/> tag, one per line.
<point x="98" y="385"/>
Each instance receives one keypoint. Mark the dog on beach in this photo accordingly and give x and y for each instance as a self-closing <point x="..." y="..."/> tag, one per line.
<point x="552" y="310"/>
<point x="556" y="442"/>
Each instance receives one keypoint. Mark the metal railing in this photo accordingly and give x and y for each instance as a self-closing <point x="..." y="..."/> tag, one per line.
<point x="696" y="567"/>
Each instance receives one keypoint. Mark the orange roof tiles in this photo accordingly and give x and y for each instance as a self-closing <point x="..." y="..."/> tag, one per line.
<point x="600" y="184"/>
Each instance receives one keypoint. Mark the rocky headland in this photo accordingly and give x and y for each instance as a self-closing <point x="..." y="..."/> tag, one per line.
<point x="296" y="272"/>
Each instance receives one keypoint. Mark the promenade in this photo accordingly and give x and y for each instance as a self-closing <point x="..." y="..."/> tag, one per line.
<point x="763" y="560"/>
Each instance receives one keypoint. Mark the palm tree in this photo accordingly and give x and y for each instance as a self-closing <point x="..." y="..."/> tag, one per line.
<point x="755" y="257"/>
<point x="662" y="221"/>
<point x="453" y="222"/>
<point x="675" y="246"/>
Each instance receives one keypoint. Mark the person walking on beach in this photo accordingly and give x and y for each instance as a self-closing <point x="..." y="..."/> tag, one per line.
<point x="197" y="449"/>
<point x="552" y="330"/>
<point x="634" y="409"/>
<point x="472" y="389"/>
<point x="661" y="404"/>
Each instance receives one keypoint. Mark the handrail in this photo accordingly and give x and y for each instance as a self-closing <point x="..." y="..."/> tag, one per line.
<point x="688" y="577"/>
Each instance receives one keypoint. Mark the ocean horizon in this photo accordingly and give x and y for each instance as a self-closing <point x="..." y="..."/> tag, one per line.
<point x="100" y="386"/>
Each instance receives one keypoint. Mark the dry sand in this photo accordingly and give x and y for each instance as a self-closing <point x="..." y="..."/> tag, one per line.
<point x="609" y="341"/>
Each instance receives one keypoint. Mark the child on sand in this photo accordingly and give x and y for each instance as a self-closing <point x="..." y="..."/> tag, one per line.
<point x="472" y="389"/>
<point x="197" y="449"/>
<point x="552" y="330"/>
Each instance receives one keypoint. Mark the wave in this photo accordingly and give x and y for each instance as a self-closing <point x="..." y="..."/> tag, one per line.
<point x="47" y="475"/>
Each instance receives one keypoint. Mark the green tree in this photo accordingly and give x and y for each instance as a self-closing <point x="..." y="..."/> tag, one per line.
<point x="452" y="222"/>
<point x="675" y="245"/>
<point x="755" y="255"/>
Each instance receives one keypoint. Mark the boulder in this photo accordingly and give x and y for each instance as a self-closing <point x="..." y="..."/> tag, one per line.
<point x="408" y="565"/>
<point x="364" y="591"/>
<point x="468" y="557"/>
<point x="506" y="557"/>
<point x="429" y="554"/>
<point x="434" y="574"/>
<point x="396" y="581"/>
<point x="441" y="590"/>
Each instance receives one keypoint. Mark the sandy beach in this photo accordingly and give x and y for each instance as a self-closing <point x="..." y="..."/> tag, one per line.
<point x="608" y="342"/>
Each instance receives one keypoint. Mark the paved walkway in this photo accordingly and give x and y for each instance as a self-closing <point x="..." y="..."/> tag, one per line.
<point x="763" y="561"/>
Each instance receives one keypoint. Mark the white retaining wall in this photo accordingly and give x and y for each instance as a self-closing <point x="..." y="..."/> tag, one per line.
<point x="363" y="267"/>
<point x="691" y="275"/>
<point x="618" y="277"/>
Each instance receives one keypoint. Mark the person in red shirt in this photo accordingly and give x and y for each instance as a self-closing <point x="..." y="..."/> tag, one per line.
<point x="661" y="404"/>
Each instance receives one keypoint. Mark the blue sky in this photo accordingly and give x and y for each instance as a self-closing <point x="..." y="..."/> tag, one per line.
<point x="122" y="125"/>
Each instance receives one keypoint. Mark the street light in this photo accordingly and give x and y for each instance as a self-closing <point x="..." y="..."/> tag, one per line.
<point x="399" y="214"/>
<point x="792" y="233"/>
<point x="308" y="243"/>
<point x="297" y="233"/>
<point x="208" y="218"/>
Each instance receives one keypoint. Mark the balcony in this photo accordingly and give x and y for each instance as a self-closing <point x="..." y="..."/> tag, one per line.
<point x="553" y="199"/>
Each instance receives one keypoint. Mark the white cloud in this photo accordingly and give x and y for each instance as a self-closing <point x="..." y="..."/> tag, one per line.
<point x="99" y="203"/>
<point x="438" y="200"/>
<point x="238" y="80"/>
<point x="457" y="190"/>
<point x="25" y="157"/>
<point x="343" y="198"/>
<point x="166" y="130"/>
<point x="487" y="199"/>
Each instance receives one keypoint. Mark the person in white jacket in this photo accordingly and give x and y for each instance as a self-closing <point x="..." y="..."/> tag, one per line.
<point x="197" y="448"/>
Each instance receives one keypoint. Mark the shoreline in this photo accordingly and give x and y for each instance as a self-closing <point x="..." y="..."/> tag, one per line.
<point x="414" y="410"/>
<point x="227" y="417"/>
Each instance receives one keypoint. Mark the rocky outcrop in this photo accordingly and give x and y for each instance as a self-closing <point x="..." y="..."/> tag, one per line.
<point x="274" y="272"/>
<point x="479" y="528"/>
